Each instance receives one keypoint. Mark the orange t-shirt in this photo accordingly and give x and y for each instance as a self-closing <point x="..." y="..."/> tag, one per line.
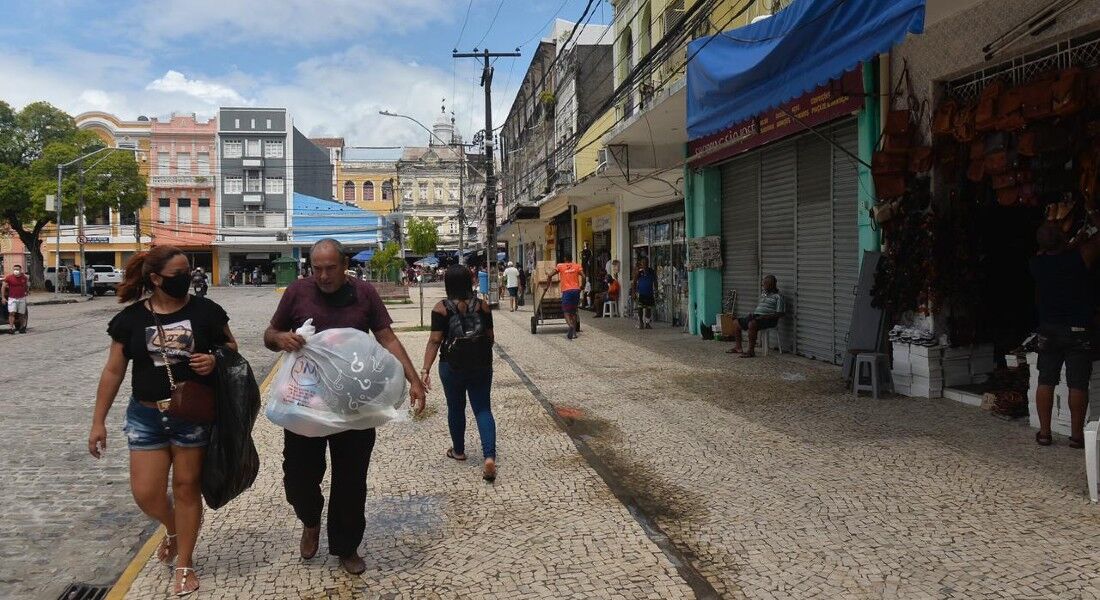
<point x="614" y="290"/>
<point x="570" y="274"/>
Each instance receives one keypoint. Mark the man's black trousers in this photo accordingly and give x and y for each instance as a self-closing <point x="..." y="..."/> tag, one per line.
<point x="303" y="470"/>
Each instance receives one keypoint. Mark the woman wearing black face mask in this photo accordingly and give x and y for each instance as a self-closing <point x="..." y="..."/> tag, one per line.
<point x="169" y="336"/>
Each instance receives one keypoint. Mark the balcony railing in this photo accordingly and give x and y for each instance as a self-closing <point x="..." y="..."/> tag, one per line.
<point x="167" y="181"/>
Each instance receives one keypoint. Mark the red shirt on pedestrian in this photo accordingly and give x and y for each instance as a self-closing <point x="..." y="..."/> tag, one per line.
<point x="17" y="286"/>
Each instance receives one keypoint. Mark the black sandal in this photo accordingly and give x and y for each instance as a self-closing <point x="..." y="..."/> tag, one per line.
<point x="1076" y="443"/>
<point x="451" y="454"/>
<point x="1043" y="440"/>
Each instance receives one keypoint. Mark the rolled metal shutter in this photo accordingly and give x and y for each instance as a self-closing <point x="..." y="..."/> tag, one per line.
<point x="740" y="218"/>
<point x="778" y="192"/>
<point x="813" y="314"/>
<point x="845" y="235"/>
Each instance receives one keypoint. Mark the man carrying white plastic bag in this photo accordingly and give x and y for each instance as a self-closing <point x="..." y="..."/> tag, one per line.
<point x="342" y="379"/>
<point x="323" y="400"/>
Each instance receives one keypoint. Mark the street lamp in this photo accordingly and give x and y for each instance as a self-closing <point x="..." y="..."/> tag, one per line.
<point x="80" y="213"/>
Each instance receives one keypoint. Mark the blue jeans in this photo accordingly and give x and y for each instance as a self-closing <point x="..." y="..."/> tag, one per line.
<point x="475" y="383"/>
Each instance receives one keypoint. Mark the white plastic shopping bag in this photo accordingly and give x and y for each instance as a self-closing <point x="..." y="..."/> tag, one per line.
<point x="341" y="379"/>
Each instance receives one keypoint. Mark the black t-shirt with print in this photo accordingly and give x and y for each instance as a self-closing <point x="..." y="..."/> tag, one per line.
<point x="197" y="327"/>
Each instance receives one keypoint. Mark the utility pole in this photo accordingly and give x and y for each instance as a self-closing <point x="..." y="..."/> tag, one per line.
<point x="490" y="177"/>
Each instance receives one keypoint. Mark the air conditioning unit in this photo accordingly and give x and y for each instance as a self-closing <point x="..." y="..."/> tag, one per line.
<point x="672" y="15"/>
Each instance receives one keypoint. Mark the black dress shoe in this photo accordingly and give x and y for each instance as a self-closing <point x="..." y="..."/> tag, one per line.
<point x="353" y="564"/>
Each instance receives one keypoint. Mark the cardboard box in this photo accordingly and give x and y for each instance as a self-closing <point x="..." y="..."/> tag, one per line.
<point x="726" y="323"/>
<point x="543" y="270"/>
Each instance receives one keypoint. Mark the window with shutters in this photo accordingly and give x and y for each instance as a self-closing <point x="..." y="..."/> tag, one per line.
<point x="273" y="149"/>
<point x="349" y="191"/>
<point x="202" y="163"/>
<point x="274" y="185"/>
<point x="253" y="182"/>
<point x="183" y="164"/>
<point x="387" y="190"/>
<point x="183" y="210"/>
<point x="204" y="210"/>
<point x="163" y="163"/>
<point x="164" y="210"/>
<point x="368" y="191"/>
<point x="252" y="148"/>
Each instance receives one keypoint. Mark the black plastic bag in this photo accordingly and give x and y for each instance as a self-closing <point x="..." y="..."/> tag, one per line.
<point x="231" y="462"/>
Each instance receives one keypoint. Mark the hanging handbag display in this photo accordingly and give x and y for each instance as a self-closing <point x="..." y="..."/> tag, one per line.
<point x="976" y="171"/>
<point x="1070" y="93"/>
<point x="963" y="124"/>
<point x="1010" y="113"/>
<point x="920" y="159"/>
<point x="1038" y="97"/>
<point x="944" y="120"/>
<point x="191" y="401"/>
<point x="985" y="117"/>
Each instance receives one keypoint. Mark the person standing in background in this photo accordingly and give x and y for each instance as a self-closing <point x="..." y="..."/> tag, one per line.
<point x="511" y="283"/>
<point x="644" y="285"/>
<point x="572" y="281"/>
<point x="14" y="293"/>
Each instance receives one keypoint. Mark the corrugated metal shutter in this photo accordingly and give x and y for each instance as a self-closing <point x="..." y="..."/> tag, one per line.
<point x="814" y="259"/>
<point x="778" y="190"/>
<point x="845" y="235"/>
<point x="740" y="214"/>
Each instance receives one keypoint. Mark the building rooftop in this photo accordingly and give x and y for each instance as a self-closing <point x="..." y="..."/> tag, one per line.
<point x="328" y="142"/>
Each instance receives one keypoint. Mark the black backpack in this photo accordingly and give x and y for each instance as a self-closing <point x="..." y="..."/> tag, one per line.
<point x="466" y="345"/>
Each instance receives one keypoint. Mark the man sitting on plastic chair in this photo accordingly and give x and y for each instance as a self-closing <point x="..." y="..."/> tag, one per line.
<point x="769" y="310"/>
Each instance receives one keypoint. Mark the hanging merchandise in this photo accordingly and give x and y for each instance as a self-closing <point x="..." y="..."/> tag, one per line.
<point x="341" y="379"/>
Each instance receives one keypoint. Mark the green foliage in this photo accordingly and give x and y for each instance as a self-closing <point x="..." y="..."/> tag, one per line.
<point x="387" y="260"/>
<point x="40" y="124"/>
<point x="423" y="236"/>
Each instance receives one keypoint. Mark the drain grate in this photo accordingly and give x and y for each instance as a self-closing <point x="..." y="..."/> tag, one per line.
<point x="84" y="591"/>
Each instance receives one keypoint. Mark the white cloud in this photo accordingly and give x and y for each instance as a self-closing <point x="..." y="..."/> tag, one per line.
<point x="282" y="22"/>
<point x="211" y="93"/>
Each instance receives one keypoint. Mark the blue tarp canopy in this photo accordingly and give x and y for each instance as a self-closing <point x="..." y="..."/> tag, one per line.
<point x="428" y="261"/>
<point x="740" y="73"/>
<point x="363" y="256"/>
<point x="315" y="219"/>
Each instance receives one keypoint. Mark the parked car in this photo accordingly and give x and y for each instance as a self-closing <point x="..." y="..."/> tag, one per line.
<point x="104" y="278"/>
<point x="50" y="276"/>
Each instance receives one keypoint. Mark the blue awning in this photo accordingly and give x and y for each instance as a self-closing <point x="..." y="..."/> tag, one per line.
<point x="740" y="73"/>
<point x="364" y="256"/>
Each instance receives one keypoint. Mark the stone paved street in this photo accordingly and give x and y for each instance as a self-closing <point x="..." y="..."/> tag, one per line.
<point x="765" y="474"/>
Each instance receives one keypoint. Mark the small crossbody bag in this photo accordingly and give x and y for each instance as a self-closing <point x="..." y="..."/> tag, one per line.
<point x="191" y="401"/>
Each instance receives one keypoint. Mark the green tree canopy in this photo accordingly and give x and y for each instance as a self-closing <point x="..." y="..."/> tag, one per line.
<point x="388" y="260"/>
<point x="422" y="235"/>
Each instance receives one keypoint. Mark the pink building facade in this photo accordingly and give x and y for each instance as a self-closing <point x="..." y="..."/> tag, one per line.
<point x="182" y="207"/>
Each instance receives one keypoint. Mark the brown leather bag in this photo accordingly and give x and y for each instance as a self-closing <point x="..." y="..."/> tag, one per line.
<point x="963" y="124"/>
<point x="1070" y="93"/>
<point x="998" y="162"/>
<point x="944" y="119"/>
<point x="899" y="122"/>
<point x="889" y="185"/>
<point x="1008" y="196"/>
<point x="191" y="401"/>
<point x="886" y="163"/>
<point x="976" y="171"/>
<point x="1038" y="97"/>
<point x="1010" y="113"/>
<point x="985" y="117"/>
<point x="920" y="159"/>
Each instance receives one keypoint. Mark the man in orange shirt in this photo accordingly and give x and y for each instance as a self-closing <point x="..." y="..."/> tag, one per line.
<point x="572" y="281"/>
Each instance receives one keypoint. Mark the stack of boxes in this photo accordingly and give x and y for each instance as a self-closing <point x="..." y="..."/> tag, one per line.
<point x="1060" y="418"/>
<point x="956" y="366"/>
<point x="917" y="370"/>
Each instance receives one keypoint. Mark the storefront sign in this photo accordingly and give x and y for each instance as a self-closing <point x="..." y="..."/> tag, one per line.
<point x="814" y="108"/>
<point x="601" y="223"/>
<point x="94" y="239"/>
<point x="705" y="253"/>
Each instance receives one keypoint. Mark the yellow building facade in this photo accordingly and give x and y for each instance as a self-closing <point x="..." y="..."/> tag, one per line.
<point x="367" y="178"/>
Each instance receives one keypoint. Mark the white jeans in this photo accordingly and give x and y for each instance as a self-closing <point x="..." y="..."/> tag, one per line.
<point x="17" y="306"/>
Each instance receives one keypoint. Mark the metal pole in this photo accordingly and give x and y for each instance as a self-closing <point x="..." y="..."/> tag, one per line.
<point x="80" y="237"/>
<point x="57" y="246"/>
<point x="461" y="204"/>
<point x="490" y="177"/>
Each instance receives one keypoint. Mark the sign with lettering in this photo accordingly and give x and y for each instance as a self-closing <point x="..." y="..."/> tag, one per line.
<point x="97" y="239"/>
<point x="835" y="99"/>
<point x="704" y="253"/>
<point x="601" y="223"/>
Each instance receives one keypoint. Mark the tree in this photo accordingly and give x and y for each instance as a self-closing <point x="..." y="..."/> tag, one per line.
<point x="387" y="260"/>
<point x="32" y="145"/>
<point x="422" y="235"/>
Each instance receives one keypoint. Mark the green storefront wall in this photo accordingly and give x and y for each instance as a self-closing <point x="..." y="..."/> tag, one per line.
<point x="703" y="209"/>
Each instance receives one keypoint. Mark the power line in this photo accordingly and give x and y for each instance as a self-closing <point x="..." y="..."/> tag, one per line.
<point x="464" y="21"/>
<point x="491" y="23"/>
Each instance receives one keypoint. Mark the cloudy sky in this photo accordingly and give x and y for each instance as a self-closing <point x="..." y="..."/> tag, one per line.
<point x="333" y="63"/>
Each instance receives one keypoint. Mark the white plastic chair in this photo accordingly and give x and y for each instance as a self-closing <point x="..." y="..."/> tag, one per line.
<point x="764" y="340"/>
<point x="610" y="308"/>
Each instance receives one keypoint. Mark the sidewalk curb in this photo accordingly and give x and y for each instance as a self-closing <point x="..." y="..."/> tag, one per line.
<point x="53" y="302"/>
<point x="121" y="587"/>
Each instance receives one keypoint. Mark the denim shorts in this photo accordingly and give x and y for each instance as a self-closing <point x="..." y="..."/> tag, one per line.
<point x="147" y="428"/>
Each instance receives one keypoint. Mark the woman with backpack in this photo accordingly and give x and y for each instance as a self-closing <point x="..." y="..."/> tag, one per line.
<point x="462" y="336"/>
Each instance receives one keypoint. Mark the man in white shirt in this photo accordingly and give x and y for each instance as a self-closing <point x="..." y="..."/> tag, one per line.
<point x="511" y="281"/>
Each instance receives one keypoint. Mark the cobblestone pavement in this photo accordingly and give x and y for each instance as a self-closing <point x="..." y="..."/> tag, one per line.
<point x="68" y="517"/>
<point x="548" y="528"/>
<point x="779" y="485"/>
